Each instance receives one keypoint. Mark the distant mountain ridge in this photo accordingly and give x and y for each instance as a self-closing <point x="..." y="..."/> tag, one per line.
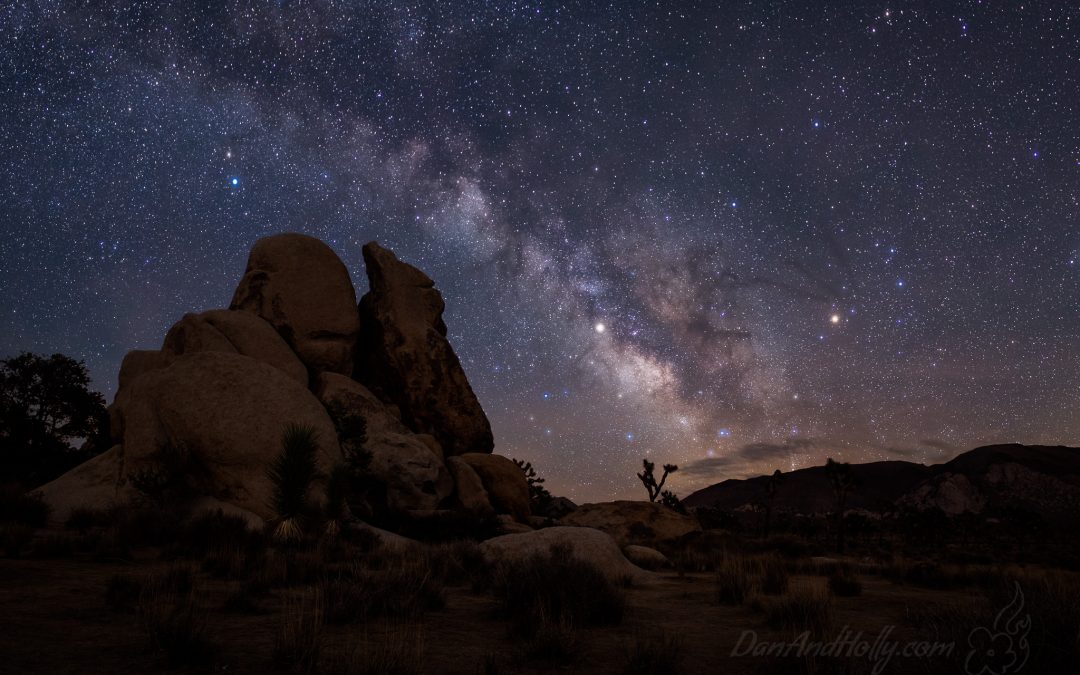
<point x="1039" y="478"/>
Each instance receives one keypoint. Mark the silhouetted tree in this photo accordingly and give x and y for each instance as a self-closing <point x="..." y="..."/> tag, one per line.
<point x="771" y="489"/>
<point x="672" y="501"/>
<point x="46" y="406"/>
<point x="539" y="497"/>
<point x="648" y="478"/>
<point x="842" y="480"/>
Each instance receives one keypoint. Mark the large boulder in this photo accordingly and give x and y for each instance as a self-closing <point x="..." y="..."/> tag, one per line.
<point x="504" y="482"/>
<point x="137" y="362"/>
<point x="405" y="358"/>
<point x="94" y="484"/>
<point x="300" y="286"/>
<point x="645" y="557"/>
<point x="630" y="522"/>
<point x="410" y="468"/>
<point x="592" y="546"/>
<point x="224" y="330"/>
<point x="469" y="489"/>
<point x="414" y="476"/>
<point x="220" y="417"/>
<point x="345" y="397"/>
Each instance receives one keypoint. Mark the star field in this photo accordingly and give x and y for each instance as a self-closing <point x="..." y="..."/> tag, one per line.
<point x="737" y="238"/>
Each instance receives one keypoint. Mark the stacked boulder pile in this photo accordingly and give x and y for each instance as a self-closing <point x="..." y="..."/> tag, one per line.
<point x="295" y="347"/>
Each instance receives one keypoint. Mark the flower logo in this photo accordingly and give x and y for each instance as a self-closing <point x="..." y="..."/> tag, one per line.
<point x="1004" y="647"/>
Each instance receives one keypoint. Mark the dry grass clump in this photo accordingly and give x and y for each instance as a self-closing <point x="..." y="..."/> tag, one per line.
<point x="398" y="649"/>
<point x="735" y="580"/>
<point x="800" y="610"/>
<point x="299" y="642"/>
<point x="172" y="620"/>
<point x="406" y="590"/>
<point x="554" y="643"/>
<point x="23" y="508"/>
<point x="556" y="589"/>
<point x="844" y="583"/>
<point x="654" y="654"/>
<point x="122" y="592"/>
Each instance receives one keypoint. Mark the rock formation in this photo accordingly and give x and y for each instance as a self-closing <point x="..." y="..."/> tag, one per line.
<point x="209" y="408"/>
<point x="303" y="290"/>
<point x="219" y="418"/>
<point x="234" y="332"/>
<point x="503" y="481"/>
<point x="643" y="523"/>
<point x="405" y="358"/>
<point x="586" y="543"/>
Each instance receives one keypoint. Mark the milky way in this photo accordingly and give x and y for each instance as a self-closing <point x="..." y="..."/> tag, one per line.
<point x="737" y="238"/>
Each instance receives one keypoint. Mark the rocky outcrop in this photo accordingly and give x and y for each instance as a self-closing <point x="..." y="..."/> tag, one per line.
<point x="630" y="522"/>
<point x="645" y="557"/>
<point x="297" y="284"/>
<point x="592" y="546"/>
<point x="205" y="414"/>
<point x="415" y="478"/>
<point x="219" y="419"/>
<point x="233" y="332"/>
<point x="94" y="484"/>
<point x="469" y="489"/>
<point x="953" y="493"/>
<point x="137" y="362"/>
<point x="504" y="482"/>
<point x="405" y="358"/>
<point x="412" y="471"/>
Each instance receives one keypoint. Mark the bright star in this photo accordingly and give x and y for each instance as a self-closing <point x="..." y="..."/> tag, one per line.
<point x="835" y="318"/>
<point x="234" y="181"/>
<point x="600" y="328"/>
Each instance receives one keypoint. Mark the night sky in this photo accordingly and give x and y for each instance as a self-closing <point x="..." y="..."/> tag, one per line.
<point x="738" y="238"/>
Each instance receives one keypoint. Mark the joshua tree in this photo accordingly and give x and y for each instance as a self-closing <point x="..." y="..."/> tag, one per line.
<point x="292" y="473"/>
<point x="842" y="480"/>
<point x="649" y="479"/>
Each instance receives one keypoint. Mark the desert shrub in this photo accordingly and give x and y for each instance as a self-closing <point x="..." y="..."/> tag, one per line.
<point x="786" y="545"/>
<point x="654" y="654"/>
<point x="108" y="546"/>
<point x="774" y="575"/>
<point x="736" y="579"/>
<point x="122" y="592"/>
<point x="299" y="642"/>
<point x="227" y="545"/>
<point x="405" y="590"/>
<point x="15" y="537"/>
<point x="844" y="583"/>
<point x="244" y="599"/>
<point x="291" y="567"/>
<point x="172" y="620"/>
<point x="147" y="526"/>
<point x="24" y="508"/>
<point x="83" y="519"/>
<point x="807" y="609"/>
<point x="556" y="587"/>
<point x="459" y="562"/>
<point x="398" y="650"/>
<point x="55" y="545"/>
<point x="291" y="473"/>
<point x="553" y="643"/>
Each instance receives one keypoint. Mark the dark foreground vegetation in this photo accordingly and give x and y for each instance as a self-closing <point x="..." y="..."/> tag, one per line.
<point x="145" y="585"/>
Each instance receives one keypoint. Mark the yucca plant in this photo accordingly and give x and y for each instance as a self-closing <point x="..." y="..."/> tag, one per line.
<point x="292" y="473"/>
<point x="337" y="494"/>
